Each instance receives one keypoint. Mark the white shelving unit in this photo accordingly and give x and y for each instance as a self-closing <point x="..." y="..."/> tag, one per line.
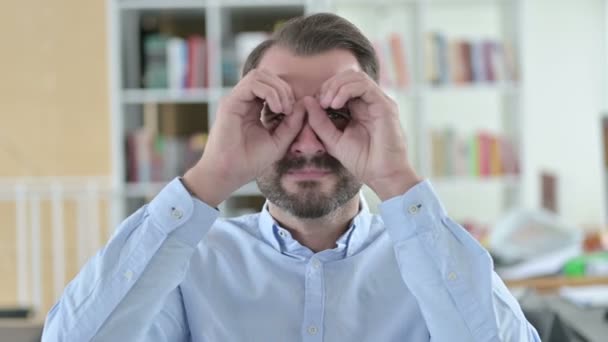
<point x="424" y="106"/>
<point x="413" y="17"/>
<point x="127" y="96"/>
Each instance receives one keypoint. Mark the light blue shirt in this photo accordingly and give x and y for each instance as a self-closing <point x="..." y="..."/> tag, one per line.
<point x="174" y="271"/>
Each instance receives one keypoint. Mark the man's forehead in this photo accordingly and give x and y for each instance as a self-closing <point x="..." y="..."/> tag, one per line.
<point x="306" y="74"/>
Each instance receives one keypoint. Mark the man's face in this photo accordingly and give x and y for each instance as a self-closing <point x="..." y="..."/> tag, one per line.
<point x="307" y="182"/>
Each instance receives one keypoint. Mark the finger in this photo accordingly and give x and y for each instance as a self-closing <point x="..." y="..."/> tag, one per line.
<point x="362" y="90"/>
<point x="288" y="129"/>
<point x="321" y="124"/>
<point x="250" y="89"/>
<point x="246" y="90"/>
<point x="270" y="119"/>
<point x="357" y="106"/>
<point x="268" y="94"/>
<point x="339" y="78"/>
<point x="330" y="88"/>
<point x="283" y="89"/>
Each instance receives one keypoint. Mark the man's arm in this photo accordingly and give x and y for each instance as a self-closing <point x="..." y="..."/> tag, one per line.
<point x="450" y="274"/>
<point x="129" y="289"/>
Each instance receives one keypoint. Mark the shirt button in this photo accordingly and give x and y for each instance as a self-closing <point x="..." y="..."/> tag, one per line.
<point x="128" y="274"/>
<point x="176" y="213"/>
<point x="414" y="209"/>
<point x="282" y="233"/>
<point x="312" y="330"/>
<point x="316" y="263"/>
<point x="452" y="276"/>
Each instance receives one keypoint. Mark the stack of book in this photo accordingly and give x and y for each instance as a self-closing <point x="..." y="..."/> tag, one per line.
<point x="467" y="61"/>
<point x="482" y="155"/>
<point x="175" y="62"/>
<point x="154" y="157"/>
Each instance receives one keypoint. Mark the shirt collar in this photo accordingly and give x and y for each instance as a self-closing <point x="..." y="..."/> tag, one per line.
<point x="348" y="244"/>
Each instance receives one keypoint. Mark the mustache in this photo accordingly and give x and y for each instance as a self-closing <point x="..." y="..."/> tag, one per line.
<point x="323" y="161"/>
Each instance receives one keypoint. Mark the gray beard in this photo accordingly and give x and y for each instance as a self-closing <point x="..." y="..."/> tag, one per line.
<point x="309" y="202"/>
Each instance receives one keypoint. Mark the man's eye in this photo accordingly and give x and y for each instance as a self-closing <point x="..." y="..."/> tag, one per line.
<point x="336" y="114"/>
<point x="339" y="117"/>
<point x="269" y="119"/>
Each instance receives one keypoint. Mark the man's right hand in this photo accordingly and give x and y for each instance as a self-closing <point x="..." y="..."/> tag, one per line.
<point x="240" y="146"/>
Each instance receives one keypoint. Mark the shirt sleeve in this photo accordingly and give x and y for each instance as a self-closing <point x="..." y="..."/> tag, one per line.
<point x="450" y="273"/>
<point x="130" y="287"/>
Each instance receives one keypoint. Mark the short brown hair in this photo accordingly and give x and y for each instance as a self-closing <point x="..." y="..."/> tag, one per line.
<point x="317" y="33"/>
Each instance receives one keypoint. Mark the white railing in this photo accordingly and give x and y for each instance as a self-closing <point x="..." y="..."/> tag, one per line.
<point x="33" y="199"/>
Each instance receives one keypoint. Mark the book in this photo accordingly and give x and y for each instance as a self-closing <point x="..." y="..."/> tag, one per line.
<point x="466" y="61"/>
<point x="450" y="150"/>
<point x="457" y="64"/>
<point x="177" y="62"/>
<point x="484" y="142"/>
<point x="438" y="150"/>
<point x="431" y="58"/>
<point x="482" y="154"/>
<point x="143" y="154"/>
<point x="509" y="158"/>
<point x="461" y="156"/>
<point x="399" y="60"/>
<point x="509" y="62"/>
<point x="157" y="158"/>
<point x="462" y="61"/>
<point x="496" y="164"/>
<point x="197" y="75"/>
<point x="388" y="64"/>
<point x="155" y="61"/>
<point x="441" y="59"/>
<point x="490" y="60"/>
<point x="549" y="191"/>
<point x="474" y="156"/>
<point x="478" y="69"/>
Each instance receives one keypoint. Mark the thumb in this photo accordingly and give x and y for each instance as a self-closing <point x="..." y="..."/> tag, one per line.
<point x="321" y="124"/>
<point x="290" y="126"/>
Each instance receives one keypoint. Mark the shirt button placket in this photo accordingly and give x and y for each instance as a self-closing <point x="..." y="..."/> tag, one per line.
<point x="312" y="327"/>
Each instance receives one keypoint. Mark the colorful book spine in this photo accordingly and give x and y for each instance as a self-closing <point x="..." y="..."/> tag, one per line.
<point x="177" y="62"/>
<point x="467" y="61"/>
<point x="399" y="60"/>
<point x="482" y="154"/>
<point x="155" y="61"/>
<point x="158" y="158"/>
<point x="484" y="141"/>
<point x="474" y="156"/>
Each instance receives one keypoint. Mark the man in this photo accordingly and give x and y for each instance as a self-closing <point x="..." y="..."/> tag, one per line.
<point x="310" y="124"/>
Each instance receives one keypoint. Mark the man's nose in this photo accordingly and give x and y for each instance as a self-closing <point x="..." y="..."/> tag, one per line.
<point x="307" y="143"/>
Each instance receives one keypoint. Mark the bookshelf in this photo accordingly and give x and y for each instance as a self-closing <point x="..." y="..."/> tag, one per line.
<point x="162" y="112"/>
<point x="476" y="103"/>
<point x="183" y="111"/>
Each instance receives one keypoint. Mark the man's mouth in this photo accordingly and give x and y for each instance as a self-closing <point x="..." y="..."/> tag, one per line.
<point x="308" y="173"/>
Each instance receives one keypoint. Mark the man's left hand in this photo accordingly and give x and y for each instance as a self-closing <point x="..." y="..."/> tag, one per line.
<point x="372" y="145"/>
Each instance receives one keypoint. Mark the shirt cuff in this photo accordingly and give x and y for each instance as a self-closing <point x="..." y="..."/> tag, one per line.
<point x="412" y="213"/>
<point x="180" y="215"/>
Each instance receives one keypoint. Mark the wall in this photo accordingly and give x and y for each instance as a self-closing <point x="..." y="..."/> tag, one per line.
<point x="54" y="109"/>
<point x="54" y="98"/>
<point x="564" y="68"/>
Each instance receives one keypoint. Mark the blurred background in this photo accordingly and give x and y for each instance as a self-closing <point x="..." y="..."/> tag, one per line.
<point x="504" y="103"/>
